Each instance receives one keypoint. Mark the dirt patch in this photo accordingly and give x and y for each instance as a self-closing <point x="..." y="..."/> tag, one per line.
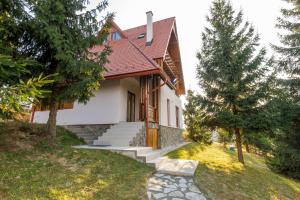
<point x="16" y="136"/>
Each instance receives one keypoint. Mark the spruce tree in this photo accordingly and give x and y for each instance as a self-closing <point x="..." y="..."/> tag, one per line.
<point x="286" y="154"/>
<point x="19" y="81"/>
<point x="232" y="73"/>
<point x="290" y="48"/>
<point x="64" y="33"/>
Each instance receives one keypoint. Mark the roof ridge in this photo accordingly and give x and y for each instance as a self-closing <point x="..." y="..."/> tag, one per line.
<point x="146" y="24"/>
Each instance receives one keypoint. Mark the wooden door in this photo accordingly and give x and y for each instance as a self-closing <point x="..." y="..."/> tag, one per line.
<point x="130" y="107"/>
<point x="152" y="138"/>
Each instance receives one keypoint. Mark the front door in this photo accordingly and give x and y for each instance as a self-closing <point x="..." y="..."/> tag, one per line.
<point x="152" y="138"/>
<point x="130" y="107"/>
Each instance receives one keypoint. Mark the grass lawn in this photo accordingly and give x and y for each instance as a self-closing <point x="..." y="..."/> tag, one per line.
<point x="220" y="176"/>
<point x="34" y="168"/>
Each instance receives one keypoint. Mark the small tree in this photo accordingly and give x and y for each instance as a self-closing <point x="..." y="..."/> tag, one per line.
<point x="231" y="72"/>
<point x="64" y="33"/>
<point x="193" y="119"/>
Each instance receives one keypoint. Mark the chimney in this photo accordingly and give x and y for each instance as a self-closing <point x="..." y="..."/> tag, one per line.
<point x="149" y="34"/>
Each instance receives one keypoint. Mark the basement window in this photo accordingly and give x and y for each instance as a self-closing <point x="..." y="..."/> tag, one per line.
<point x="142" y="35"/>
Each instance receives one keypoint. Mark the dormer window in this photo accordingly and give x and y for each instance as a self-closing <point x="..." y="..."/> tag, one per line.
<point x="115" y="36"/>
<point x="142" y="35"/>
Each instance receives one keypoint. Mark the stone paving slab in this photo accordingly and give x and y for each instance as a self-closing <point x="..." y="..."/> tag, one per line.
<point x="168" y="187"/>
<point x="176" y="166"/>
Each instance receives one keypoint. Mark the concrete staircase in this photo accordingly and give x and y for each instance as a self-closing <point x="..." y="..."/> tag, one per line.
<point x="119" y="135"/>
<point x="88" y="133"/>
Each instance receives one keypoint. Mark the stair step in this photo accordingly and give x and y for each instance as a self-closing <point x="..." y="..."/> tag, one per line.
<point x="147" y="157"/>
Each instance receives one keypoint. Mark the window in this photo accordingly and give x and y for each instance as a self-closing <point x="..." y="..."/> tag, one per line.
<point x="177" y="117"/>
<point x="168" y="112"/>
<point x="61" y="106"/>
<point x="142" y="35"/>
<point x="152" y="93"/>
<point x="115" y="36"/>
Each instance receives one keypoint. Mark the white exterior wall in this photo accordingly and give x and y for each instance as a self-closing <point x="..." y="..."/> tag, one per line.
<point x="167" y="93"/>
<point x="109" y="106"/>
<point x="130" y="85"/>
<point x="103" y="108"/>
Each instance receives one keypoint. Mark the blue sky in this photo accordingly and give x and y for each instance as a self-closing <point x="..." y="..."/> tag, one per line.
<point x="190" y="18"/>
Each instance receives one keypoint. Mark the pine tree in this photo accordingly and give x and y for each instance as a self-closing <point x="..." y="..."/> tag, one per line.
<point x="232" y="73"/>
<point x="286" y="154"/>
<point x="64" y="32"/>
<point x="290" y="49"/>
<point x="19" y="84"/>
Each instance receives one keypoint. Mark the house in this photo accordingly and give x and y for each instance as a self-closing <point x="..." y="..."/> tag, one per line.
<point x="139" y="100"/>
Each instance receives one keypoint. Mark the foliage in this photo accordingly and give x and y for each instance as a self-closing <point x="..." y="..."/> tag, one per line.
<point x="64" y="34"/>
<point x="14" y="99"/>
<point x="220" y="176"/>
<point x="53" y="169"/>
<point x="19" y="84"/>
<point x="286" y="152"/>
<point x="193" y="118"/>
<point x="224" y="136"/>
<point x="235" y="76"/>
<point x="259" y="140"/>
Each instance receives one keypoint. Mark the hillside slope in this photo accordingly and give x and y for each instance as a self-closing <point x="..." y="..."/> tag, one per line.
<point x="34" y="167"/>
<point x="220" y="176"/>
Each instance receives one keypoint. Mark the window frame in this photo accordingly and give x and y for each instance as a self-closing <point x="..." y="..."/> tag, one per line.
<point x="115" y="36"/>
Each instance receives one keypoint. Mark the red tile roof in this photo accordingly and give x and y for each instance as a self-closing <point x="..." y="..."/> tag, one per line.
<point x="131" y="55"/>
<point x="126" y="58"/>
<point x="161" y="34"/>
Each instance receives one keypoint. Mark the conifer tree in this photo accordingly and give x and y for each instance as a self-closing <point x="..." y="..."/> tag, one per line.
<point x="19" y="81"/>
<point x="232" y="73"/>
<point x="286" y="154"/>
<point x="64" y="32"/>
<point x="290" y="49"/>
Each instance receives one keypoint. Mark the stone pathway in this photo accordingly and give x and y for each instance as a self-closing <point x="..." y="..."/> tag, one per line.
<point x="168" y="187"/>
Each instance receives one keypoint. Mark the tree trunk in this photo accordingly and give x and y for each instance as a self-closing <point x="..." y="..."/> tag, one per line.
<point x="51" y="124"/>
<point x="247" y="147"/>
<point x="239" y="145"/>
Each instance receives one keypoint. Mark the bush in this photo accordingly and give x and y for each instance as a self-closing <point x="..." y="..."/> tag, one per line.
<point x="285" y="160"/>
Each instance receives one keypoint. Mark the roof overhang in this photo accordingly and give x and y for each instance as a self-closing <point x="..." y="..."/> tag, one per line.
<point x="134" y="74"/>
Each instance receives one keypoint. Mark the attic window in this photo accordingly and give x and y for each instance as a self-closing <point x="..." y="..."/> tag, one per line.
<point x="115" y="36"/>
<point x="142" y="35"/>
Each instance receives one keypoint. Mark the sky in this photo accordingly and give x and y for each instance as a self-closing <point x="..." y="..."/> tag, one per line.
<point x="190" y="20"/>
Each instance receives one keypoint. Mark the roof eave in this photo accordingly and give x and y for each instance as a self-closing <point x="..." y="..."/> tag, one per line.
<point x="133" y="74"/>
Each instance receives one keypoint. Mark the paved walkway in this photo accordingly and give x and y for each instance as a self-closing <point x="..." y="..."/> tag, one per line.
<point x="168" y="187"/>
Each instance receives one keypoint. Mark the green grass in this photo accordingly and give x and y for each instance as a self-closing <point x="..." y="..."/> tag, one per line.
<point x="220" y="176"/>
<point x="35" y="167"/>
